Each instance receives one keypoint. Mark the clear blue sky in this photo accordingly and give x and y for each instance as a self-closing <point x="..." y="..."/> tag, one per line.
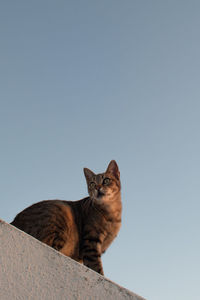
<point x="84" y="82"/>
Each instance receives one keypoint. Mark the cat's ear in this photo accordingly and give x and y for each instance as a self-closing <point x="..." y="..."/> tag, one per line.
<point x="88" y="174"/>
<point x="113" y="169"/>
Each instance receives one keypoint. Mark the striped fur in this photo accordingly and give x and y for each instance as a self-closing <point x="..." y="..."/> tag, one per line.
<point x="82" y="229"/>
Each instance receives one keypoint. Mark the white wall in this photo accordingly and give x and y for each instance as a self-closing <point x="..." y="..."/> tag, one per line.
<point x="31" y="270"/>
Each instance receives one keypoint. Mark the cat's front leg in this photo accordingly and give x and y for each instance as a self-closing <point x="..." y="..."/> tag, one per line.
<point x="92" y="254"/>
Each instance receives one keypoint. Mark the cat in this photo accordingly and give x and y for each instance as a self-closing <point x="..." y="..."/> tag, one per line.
<point x="81" y="229"/>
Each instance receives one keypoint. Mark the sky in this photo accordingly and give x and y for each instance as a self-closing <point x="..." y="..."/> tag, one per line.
<point x="85" y="82"/>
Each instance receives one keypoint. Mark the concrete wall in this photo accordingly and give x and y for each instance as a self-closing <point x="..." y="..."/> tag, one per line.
<point x="31" y="270"/>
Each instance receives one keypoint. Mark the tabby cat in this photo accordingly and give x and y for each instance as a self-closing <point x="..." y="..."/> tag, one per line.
<point x="81" y="229"/>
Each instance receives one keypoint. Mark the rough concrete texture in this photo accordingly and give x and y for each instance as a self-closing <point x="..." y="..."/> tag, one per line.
<point x="30" y="269"/>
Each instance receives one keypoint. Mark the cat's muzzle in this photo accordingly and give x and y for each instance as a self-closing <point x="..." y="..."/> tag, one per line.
<point x="99" y="193"/>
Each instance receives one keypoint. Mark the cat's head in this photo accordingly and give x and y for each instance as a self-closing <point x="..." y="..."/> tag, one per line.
<point x="104" y="185"/>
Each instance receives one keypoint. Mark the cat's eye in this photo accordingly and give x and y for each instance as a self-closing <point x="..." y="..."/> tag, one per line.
<point x="106" y="181"/>
<point x="92" y="185"/>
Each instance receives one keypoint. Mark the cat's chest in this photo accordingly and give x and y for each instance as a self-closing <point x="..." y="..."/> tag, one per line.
<point x="112" y="227"/>
<point x="110" y="220"/>
<point x="111" y="231"/>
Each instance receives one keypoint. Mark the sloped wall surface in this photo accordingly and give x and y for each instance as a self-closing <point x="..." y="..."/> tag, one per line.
<point x="31" y="270"/>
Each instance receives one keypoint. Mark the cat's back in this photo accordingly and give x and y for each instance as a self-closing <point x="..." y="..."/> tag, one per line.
<point x="45" y="216"/>
<point x="42" y="209"/>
